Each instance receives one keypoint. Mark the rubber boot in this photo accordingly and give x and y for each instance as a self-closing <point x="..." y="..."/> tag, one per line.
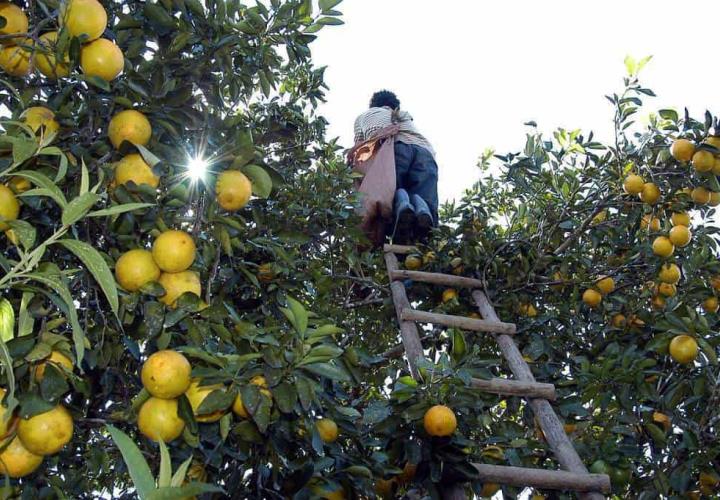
<point x="423" y="217"/>
<point x="405" y="219"/>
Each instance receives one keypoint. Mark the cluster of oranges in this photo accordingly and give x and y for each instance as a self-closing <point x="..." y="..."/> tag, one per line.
<point x="35" y="437"/>
<point x="166" y="376"/>
<point x="83" y="19"/>
<point x="173" y="252"/>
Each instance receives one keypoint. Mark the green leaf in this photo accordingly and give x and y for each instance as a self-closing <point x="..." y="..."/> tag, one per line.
<point x="329" y="21"/>
<point x="97" y="267"/>
<point x="23" y="149"/>
<point x="84" y="177"/>
<point x="187" y="491"/>
<point x="78" y="207"/>
<point x="137" y="466"/>
<point x="25" y="232"/>
<point x="217" y="400"/>
<point x="7" y="320"/>
<point x="25" y="320"/>
<point x="56" y="284"/>
<point x="261" y="181"/>
<point x="300" y="314"/>
<point x="328" y="370"/>
<point x="98" y="82"/>
<point x="164" y="477"/>
<point x="149" y="158"/>
<point x="359" y="470"/>
<point x="328" y="4"/>
<point x="179" y="476"/>
<point x="45" y="183"/>
<point x="119" y="209"/>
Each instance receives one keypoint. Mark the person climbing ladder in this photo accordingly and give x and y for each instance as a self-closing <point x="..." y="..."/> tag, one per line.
<point x="415" y="204"/>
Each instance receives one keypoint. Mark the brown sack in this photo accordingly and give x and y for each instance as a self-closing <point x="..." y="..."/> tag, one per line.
<point x="375" y="159"/>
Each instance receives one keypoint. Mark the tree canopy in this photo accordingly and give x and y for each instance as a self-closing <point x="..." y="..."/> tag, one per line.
<point x="184" y="338"/>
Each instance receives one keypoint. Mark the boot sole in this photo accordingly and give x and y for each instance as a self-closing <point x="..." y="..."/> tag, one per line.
<point x="403" y="227"/>
<point x="424" y="225"/>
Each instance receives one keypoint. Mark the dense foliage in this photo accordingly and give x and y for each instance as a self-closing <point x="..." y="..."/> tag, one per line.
<point x="284" y="288"/>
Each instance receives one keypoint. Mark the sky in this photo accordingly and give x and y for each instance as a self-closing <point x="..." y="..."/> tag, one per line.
<point x="472" y="72"/>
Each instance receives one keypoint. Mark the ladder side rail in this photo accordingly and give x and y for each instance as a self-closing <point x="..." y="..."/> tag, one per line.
<point x="550" y="424"/>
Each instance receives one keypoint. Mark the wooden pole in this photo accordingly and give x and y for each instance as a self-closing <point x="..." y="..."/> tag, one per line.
<point x="549" y="422"/>
<point x="408" y="329"/>
<point x="478" y="325"/>
<point x="543" y="479"/>
<point x="507" y="387"/>
<point x="436" y="278"/>
<point x="400" y="249"/>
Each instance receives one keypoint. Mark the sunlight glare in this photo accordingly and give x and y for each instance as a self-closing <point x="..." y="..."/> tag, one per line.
<point x="196" y="168"/>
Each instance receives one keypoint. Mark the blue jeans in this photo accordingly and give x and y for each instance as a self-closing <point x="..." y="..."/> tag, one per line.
<point x="417" y="173"/>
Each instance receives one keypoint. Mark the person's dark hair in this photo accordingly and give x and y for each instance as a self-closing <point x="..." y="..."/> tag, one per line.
<point x="384" y="98"/>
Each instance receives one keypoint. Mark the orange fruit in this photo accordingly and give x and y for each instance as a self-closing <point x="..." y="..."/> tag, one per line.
<point x="136" y="268"/>
<point x="658" y="302"/>
<point x="605" y="285"/>
<point x="680" y="219"/>
<point x="666" y="289"/>
<point x="232" y="190"/>
<point x="15" y="60"/>
<point x="83" y="18"/>
<point x="173" y="251"/>
<point x="132" y="168"/>
<point x="700" y="195"/>
<point x="682" y="150"/>
<point x="56" y="358"/>
<point x="9" y="207"/>
<point x="413" y="262"/>
<point x="714" y="199"/>
<point x="440" y="421"/>
<point x="649" y="221"/>
<point x="166" y="374"/>
<point x="449" y="294"/>
<point x="592" y="298"/>
<point x="39" y="119"/>
<point x="17" y="461"/>
<point x="45" y="57"/>
<point x="158" y="419"/>
<point x="633" y="184"/>
<point x="176" y="284"/>
<point x="328" y="430"/>
<point x="15" y="21"/>
<point x="703" y="161"/>
<point x="669" y="273"/>
<point x="527" y="310"/>
<point x="46" y="433"/>
<point x="680" y="236"/>
<point x="683" y="349"/>
<point x="129" y="125"/>
<point x="196" y="394"/>
<point x="102" y="58"/>
<point x="619" y="321"/>
<point x="650" y="193"/>
<point x="663" y="247"/>
<point x="710" y="305"/>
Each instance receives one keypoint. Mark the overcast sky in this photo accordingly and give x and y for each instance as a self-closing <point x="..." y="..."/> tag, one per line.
<point x="472" y="72"/>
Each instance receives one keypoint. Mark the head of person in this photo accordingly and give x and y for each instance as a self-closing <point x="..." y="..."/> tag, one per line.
<point x="384" y="98"/>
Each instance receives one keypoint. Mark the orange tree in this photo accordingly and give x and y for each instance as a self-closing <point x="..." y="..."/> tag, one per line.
<point x="119" y="244"/>
<point x="606" y="256"/>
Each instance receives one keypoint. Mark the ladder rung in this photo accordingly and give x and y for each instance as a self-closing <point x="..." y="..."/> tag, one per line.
<point x="479" y="325"/>
<point x="543" y="478"/>
<point x="436" y="278"/>
<point x="400" y="249"/>
<point x="508" y="387"/>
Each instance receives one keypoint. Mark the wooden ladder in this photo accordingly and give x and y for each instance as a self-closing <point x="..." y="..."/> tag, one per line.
<point x="575" y="476"/>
